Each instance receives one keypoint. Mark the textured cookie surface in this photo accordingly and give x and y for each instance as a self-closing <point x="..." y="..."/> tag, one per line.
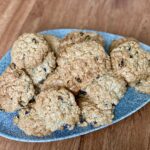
<point x="29" y="50"/>
<point x="40" y="73"/>
<point x="54" y="109"/>
<point x="16" y="89"/>
<point x="105" y="90"/>
<point x="97" y="100"/>
<point x="143" y="85"/>
<point x="118" y="42"/>
<point x="77" y="37"/>
<point x="92" y="114"/>
<point x="53" y="80"/>
<point x="130" y="61"/>
<point x="81" y="62"/>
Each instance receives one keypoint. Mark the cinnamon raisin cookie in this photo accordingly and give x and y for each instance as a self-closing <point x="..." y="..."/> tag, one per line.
<point x="130" y="61"/>
<point x="53" y="109"/>
<point x="16" y="89"/>
<point x="81" y="62"/>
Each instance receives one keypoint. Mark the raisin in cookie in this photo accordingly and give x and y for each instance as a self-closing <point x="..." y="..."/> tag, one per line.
<point x="16" y="89"/>
<point x="105" y="91"/>
<point x="91" y="114"/>
<point x="81" y="62"/>
<point x="77" y="37"/>
<point x="130" y="61"/>
<point x="53" y="109"/>
<point x="143" y="85"/>
<point x="54" y="43"/>
<point x="29" y="50"/>
<point x="40" y="73"/>
<point x="32" y="53"/>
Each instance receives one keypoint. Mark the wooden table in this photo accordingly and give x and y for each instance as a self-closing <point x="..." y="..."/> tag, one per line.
<point x="125" y="17"/>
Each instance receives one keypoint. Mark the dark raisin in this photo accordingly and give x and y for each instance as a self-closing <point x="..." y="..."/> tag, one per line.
<point x="129" y="48"/>
<point x="81" y="92"/>
<point x="78" y="80"/>
<point x="32" y="100"/>
<point x="87" y="38"/>
<point x="2" y="110"/>
<point x="81" y="119"/>
<point x="34" y="40"/>
<point x="131" y="56"/>
<point x="94" y="122"/>
<point x="21" y="103"/>
<point x="113" y="105"/>
<point x="121" y="63"/>
<point x="81" y="33"/>
<point x="60" y="98"/>
<point x="44" y="69"/>
<point x="67" y="126"/>
<point x="37" y="90"/>
<point x="98" y="76"/>
<point x="26" y="112"/>
<point x="96" y="58"/>
<point x="12" y="66"/>
<point x="41" y="82"/>
<point x="138" y="83"/>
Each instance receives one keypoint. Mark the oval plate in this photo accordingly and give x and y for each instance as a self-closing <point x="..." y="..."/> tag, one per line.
<point x="130" y="103"/>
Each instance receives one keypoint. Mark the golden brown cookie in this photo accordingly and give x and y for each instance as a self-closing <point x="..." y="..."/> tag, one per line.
<point x="16" y="89"/>
<point x="81" y="62"/>
<point x="130" y="61"/>
<point x="53" y="109"/>
<point x="29" y="50"/>
<point x="92" y="114"/>
<point x="105" y="91"/>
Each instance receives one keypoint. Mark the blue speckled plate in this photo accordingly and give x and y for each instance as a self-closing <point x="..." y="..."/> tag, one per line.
<point x="130" y="103"/>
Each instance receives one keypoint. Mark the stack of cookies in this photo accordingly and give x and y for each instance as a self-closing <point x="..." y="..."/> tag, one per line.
<point x="60" y="83"/>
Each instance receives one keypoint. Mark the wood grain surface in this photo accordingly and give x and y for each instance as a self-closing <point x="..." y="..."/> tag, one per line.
<point x="125" y="17"/>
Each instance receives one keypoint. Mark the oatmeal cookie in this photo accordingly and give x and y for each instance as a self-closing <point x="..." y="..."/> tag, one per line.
<point x="81" y="62"/>
<point x="16" y="89"/>
<point x="105" y="91"/>
<point x="53" y="110"/>
<point x="130" y="61"/>
<point x="91" y="114"/>
<point x="29" y="50"/>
